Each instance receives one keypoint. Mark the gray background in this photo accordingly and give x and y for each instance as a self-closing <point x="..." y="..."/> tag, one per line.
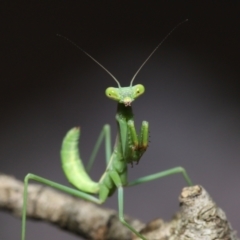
<point x="191" y="101"/>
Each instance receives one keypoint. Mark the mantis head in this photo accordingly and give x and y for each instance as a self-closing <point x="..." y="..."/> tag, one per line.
<point x="125" y="95"/>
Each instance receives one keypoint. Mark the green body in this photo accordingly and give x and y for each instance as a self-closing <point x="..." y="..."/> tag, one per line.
<point x="129" y="148"/>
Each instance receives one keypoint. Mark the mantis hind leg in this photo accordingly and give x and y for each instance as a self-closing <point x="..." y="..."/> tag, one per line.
<point x="121" y="213"/>
<point x="105" y="133"/>
<point x="148" y="178"/>
<point x="117" y="181"/>
<point x="63" y="188"/>
<point x="161" y="174"/>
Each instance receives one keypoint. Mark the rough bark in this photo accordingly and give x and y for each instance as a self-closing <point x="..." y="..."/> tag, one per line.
<point x="198" y="217"/>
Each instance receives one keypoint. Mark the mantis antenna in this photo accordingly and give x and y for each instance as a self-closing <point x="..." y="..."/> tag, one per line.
<point x="91" y="58"/>
<point x="134" y="76"/>
<point x="155" y="49"/>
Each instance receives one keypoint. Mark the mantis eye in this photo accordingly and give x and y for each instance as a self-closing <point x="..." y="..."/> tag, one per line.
<point x="112" y="93"/>
<point x="138" y="90"/>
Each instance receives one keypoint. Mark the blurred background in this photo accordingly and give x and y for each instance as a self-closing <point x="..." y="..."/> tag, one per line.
<point x="192" y="96"/>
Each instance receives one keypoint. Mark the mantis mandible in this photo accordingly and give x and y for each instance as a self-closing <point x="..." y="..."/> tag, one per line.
<point x="129" y="148"/>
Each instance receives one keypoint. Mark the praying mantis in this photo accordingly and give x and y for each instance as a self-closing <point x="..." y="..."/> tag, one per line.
<point x="129" y="148"/>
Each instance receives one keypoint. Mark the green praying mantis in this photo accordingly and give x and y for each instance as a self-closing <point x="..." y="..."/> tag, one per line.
<point x="129" y="148"/>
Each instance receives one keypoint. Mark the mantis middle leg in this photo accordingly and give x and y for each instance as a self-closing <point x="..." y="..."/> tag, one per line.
<point x="105" y="133"/>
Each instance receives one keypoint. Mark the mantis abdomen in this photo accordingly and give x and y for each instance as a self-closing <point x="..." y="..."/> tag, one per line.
<point x="72" y="164"/>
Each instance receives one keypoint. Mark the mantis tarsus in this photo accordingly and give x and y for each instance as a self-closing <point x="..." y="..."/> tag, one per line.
<point x="128" y="148"/>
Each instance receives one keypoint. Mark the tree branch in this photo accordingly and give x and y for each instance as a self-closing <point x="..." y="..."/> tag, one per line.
<point x="198" y="218"/>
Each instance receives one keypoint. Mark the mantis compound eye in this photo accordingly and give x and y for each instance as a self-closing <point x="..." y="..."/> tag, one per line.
<point x="138" y="90"/>
<point x="112" y="93"/>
